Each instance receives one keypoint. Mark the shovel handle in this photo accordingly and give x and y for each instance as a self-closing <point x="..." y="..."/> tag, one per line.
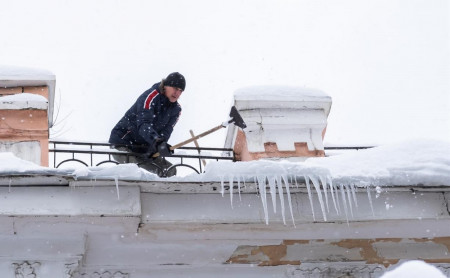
<point x="192" y="139"/>
<point x="197" y="145"/>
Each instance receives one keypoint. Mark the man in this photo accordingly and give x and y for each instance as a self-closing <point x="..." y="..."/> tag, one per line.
<point x="147" y="125"/>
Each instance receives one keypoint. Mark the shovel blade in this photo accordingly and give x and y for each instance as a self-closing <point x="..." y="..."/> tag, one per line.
<point x="236" y="118"/>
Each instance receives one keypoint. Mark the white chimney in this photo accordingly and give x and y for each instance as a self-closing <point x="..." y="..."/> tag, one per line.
<point x="282" y="122"/>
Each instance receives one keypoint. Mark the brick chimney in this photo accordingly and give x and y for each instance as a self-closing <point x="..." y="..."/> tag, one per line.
<point x="282" y="122"/>
<point x="26" y="112"/>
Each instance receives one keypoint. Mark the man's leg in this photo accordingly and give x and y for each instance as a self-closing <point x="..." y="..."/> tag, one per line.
<point x="124" y="158"/>
<point x="156" y="165"/>
<point x="167" y="164"/>
<point x="150" y="164"/>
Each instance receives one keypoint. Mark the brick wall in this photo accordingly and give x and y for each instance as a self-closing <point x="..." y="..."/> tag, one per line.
<point x="25" y="124"/>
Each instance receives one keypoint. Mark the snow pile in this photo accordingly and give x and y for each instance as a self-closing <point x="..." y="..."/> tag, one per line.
<point x="128" y="171"/>
<point x="412" y="162"/>
<point x="12" y="165"/>
<point x="123" y="172"/>
<point x="9" y="163"/>
<point x="407" y="163"/>
<point x="414" y="269"/>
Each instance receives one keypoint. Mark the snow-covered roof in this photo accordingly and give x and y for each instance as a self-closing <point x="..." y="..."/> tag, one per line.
<point x="411" y="164"/>
<point x="408" y="163"/>
<point x="14" y="76"/>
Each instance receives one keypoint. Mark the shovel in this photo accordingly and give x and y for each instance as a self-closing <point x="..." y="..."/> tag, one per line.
<point x="236" y="119"/>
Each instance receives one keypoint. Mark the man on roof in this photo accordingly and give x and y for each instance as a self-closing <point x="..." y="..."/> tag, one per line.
<point x="146" y="127"/>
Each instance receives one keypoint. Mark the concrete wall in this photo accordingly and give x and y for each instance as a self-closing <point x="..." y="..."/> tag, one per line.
<point x="137" y="229"/>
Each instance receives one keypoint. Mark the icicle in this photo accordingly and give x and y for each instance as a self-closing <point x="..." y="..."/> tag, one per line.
<point x="281" y="194"/>
<point x="273" y="193"/>
<point x="319" y="195"/>
<point x="288" y="192"/>
<point x="336" y="189"/>
<point x="349" y="199"/>
<point x="332" y="194"/>
<point x="308" y="187"/>
<point x="296" y="184"/>
<point x="344" y="201"/>
<point x="353" y="188"/>
<point x="324" y="186"/>
<point x="239" y="187"/>
<point x="262" y="192"/>
<point x="222" y="190"/>
<point x="9" y="187"/>
<point x="116" y="179"/>
<point x="370" y="199"/>
<point x="231" y="190"/>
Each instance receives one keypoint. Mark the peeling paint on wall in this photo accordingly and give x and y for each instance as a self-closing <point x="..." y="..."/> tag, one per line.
<point x="381" y="251"/>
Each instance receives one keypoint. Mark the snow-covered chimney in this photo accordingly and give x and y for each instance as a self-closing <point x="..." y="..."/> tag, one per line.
<point x="282" y="122"/>
<point x="26" y="112"/>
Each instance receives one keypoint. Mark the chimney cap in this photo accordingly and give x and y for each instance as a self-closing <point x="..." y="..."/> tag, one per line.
<point x="15" y="76"/>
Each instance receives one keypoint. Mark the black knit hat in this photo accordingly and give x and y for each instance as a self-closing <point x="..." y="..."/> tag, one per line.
<point x="175" y="79"/>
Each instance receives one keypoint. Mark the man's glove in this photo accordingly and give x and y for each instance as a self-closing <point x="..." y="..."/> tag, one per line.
<point x="154" y="146"/>
<point x="164" y="149"/>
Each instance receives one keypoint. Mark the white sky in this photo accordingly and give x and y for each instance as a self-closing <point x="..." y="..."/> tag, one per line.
<point x="385" y="63"/>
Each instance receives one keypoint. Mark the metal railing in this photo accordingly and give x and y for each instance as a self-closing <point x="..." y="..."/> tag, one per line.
<point x="356" y="148"/>
<point x="96" y="154"/>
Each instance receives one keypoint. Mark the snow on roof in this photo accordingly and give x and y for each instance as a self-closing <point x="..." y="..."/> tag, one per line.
<point x="281" y="97"/>
<point x="14" y="76"/>
<point x="415" y="162"/>
<point x="412" y="163"/>
<point x="272" y="92"/>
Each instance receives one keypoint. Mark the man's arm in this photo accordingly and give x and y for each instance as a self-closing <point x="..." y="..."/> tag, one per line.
<point x="146" y="114"/>
<point x="167" y="131"/>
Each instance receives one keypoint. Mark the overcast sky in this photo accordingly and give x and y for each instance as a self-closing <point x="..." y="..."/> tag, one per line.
<point x="385" y="63"/>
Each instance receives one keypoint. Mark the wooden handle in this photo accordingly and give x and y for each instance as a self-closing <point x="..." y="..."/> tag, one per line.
<point x="197" y="146"/>
<point x="192" y="139"/>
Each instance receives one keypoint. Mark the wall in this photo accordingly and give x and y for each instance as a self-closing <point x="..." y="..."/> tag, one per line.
<point x="24" y="125"/>
<point x="97" y="228"/>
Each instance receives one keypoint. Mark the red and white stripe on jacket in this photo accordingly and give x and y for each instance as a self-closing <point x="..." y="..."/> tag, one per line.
<point x="149" y="99"/>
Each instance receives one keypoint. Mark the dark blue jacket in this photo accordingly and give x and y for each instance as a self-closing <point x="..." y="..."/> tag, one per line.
<point x="150" y="117"/>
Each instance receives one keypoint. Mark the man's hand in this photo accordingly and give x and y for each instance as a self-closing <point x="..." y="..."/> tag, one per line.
<point x="164" y="149"/>
<point x="154" y="147"/>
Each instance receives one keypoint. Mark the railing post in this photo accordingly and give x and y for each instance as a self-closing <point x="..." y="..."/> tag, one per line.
<point x="91" y="155"/>
<point x="54" y="155"/>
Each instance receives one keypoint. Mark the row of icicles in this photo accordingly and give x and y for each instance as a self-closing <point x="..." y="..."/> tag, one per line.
<point x="323" y="186"/>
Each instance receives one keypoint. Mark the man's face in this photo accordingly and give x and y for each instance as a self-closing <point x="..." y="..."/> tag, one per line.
<point x="172" y="93"/>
